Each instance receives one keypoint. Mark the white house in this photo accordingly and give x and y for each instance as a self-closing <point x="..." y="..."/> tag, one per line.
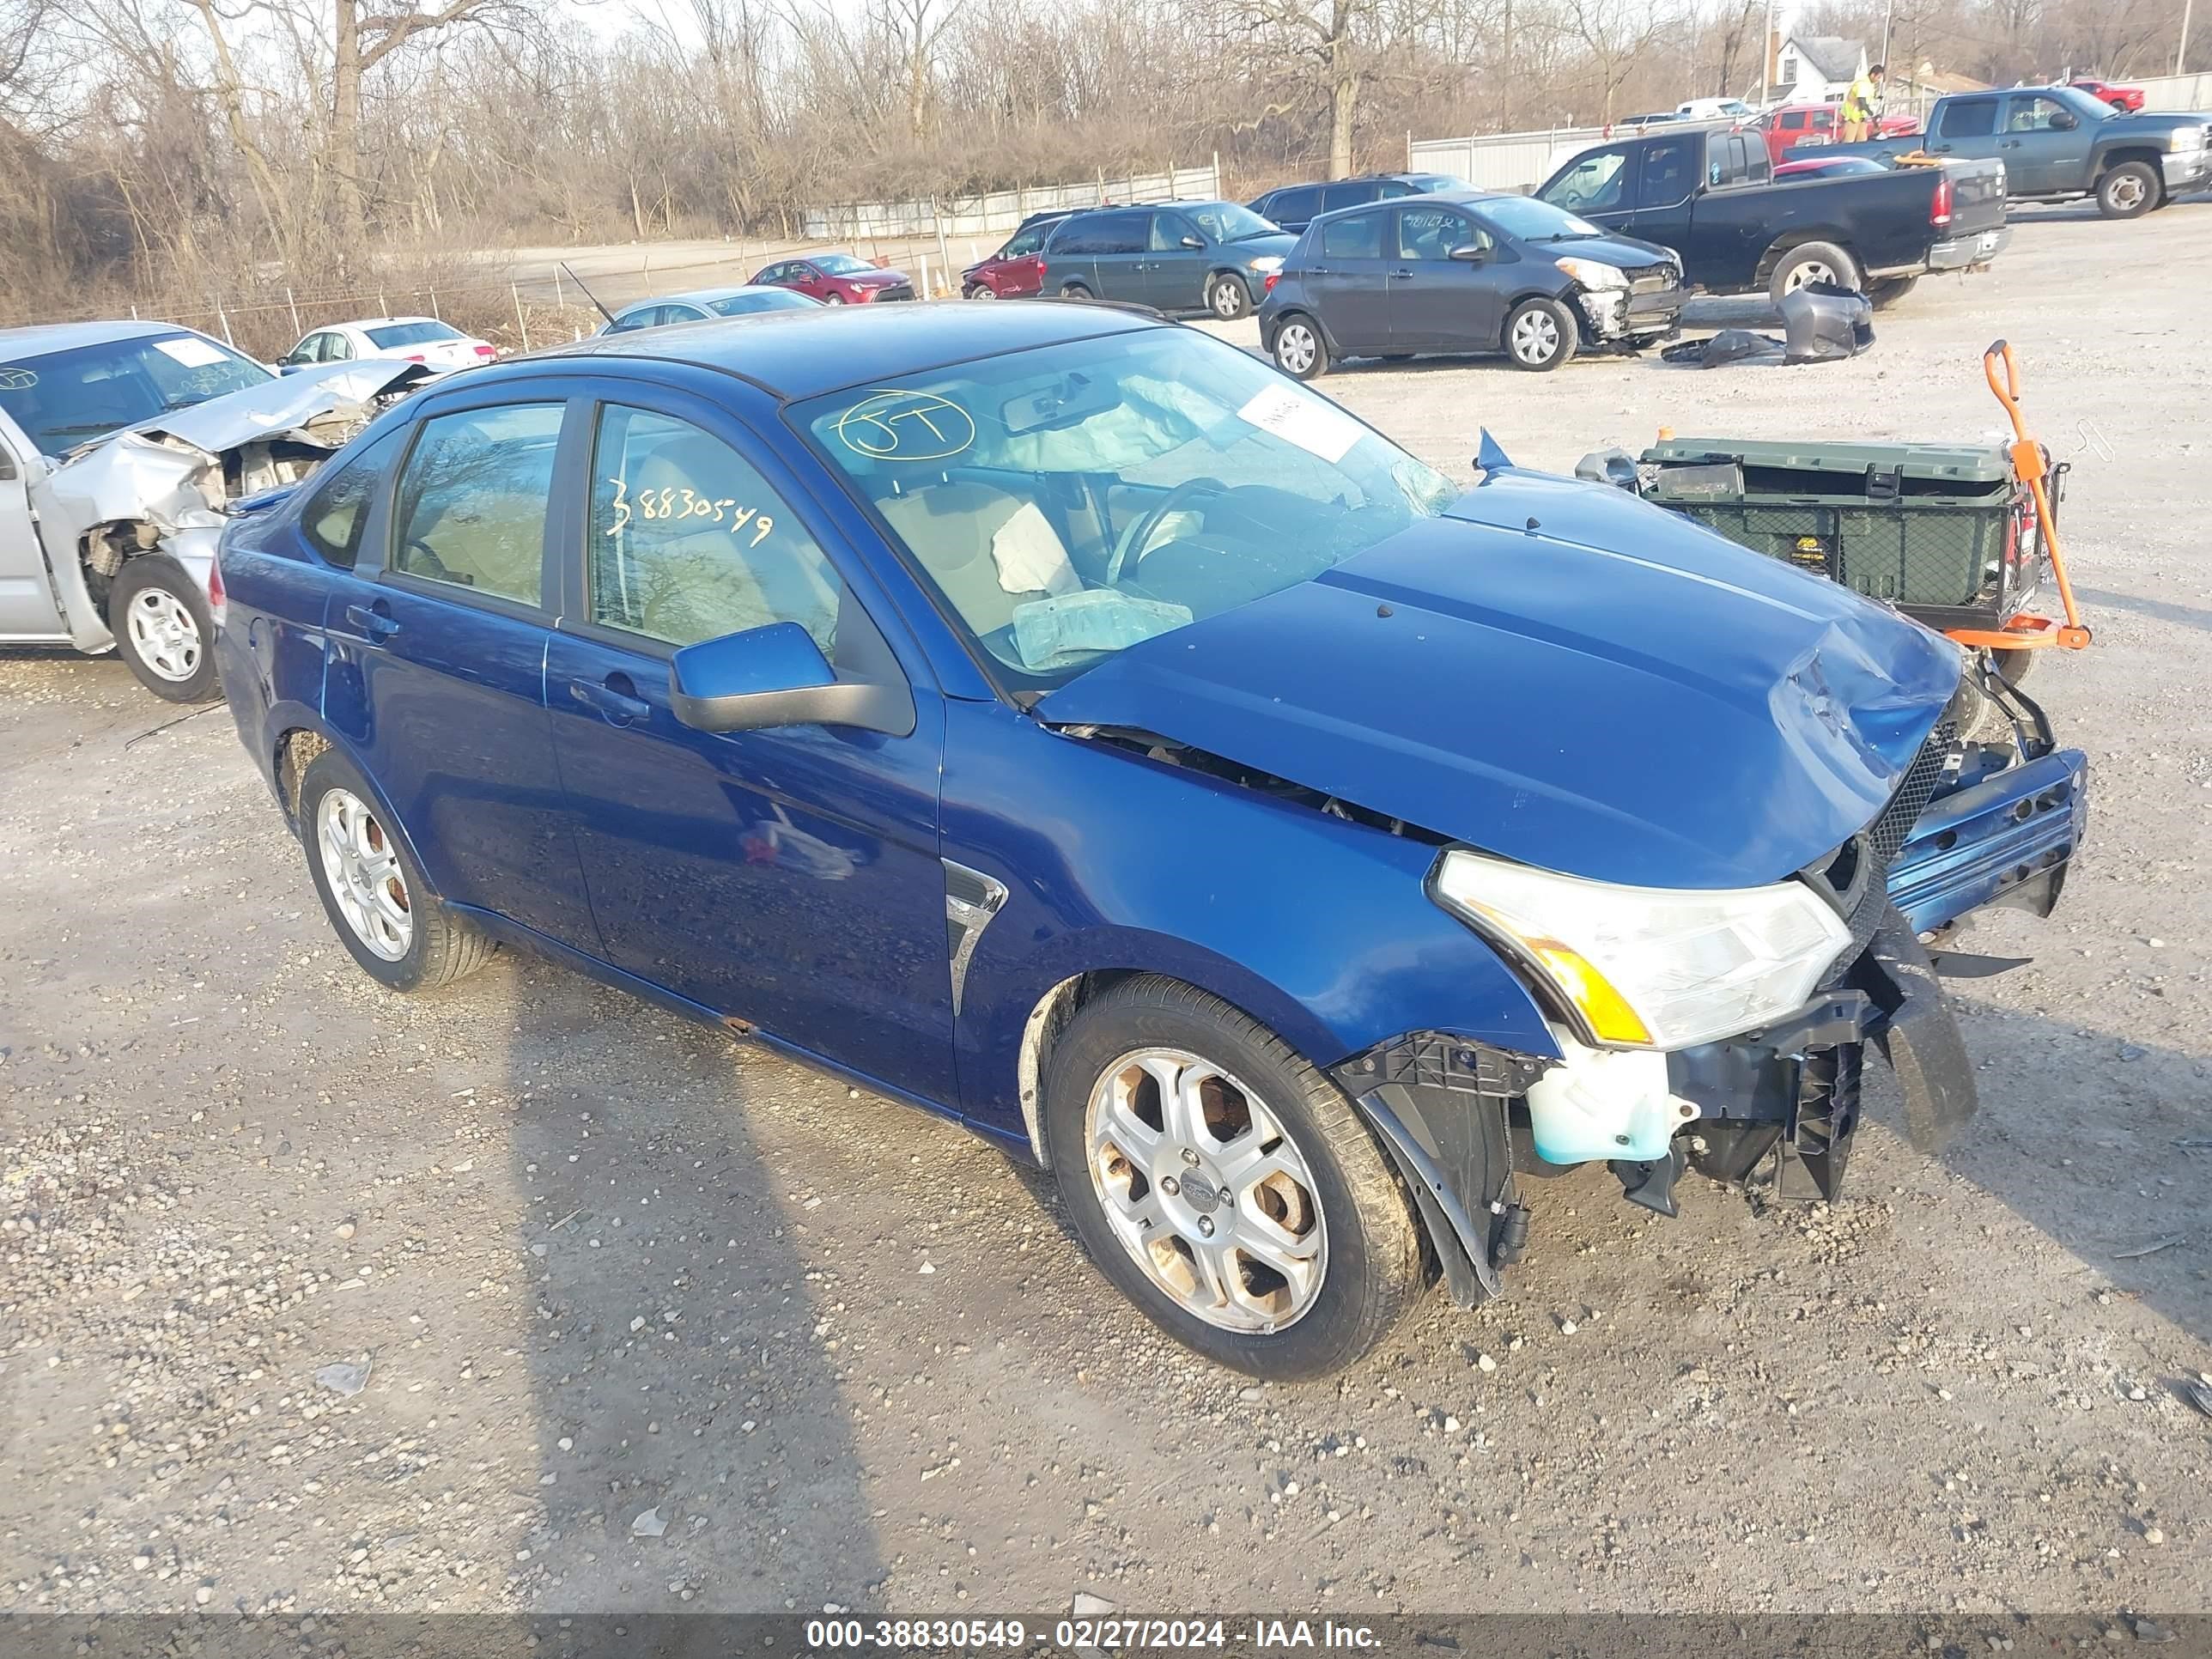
<point x="1815" y="69"/>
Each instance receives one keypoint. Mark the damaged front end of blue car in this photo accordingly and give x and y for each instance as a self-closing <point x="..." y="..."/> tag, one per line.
<point x="1717" y="816"/>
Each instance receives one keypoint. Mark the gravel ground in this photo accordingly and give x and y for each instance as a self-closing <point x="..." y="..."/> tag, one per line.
<point x="653" y="1321"/>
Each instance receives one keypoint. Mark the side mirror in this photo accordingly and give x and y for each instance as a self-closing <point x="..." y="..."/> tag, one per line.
<point x="2064" y="121"/>
<point x="1193" y="242"/>
<point x="1470" y="253"/>
<point x="777" y="676"/>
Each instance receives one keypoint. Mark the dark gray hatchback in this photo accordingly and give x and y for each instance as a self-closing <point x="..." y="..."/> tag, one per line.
<point x="1175" y="256"/>
<point x="1466" y="271"/>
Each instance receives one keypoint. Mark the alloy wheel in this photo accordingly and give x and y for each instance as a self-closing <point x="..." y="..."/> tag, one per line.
<point x="1205" y="1190"/>
<point x="164" y="635"/>
<point x="363" y="868"/>
<point x="2127" y="193"/>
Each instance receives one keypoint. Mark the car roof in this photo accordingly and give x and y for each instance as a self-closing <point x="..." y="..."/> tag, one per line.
<point x="1467" y="195"/>
<point x="801" y="354"/>
<point x="702" y="296"/>
<point x="38" y="339"/>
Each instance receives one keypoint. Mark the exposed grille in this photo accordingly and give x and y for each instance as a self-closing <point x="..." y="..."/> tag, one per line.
<point x="1855" y="876"/>
<point x="902" y="292"/>
<point x="1651" y="278"/>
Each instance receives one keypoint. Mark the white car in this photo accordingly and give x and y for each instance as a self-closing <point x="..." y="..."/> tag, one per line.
<point x="1715" y="109"/>
<point x="413" y="339"/>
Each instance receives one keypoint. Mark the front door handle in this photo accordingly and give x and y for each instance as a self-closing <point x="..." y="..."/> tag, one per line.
<point x="374" y="621"/>
<point x="2008" y="144"/>
<point x="615" y="698"/>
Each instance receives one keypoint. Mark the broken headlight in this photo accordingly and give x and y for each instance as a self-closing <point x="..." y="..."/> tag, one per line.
<point x="1594" y="273"/>
<point x="1650" y="966"/>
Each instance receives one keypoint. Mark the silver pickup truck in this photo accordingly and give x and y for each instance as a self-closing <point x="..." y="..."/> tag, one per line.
<point x="122" y="446"/>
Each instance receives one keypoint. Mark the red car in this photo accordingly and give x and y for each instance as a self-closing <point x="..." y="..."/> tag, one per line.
<point x="837" y="279"/>
<point x="2126" y="99"/>
<point x="1017" y="271"/>
<point x="1789" y="125"/>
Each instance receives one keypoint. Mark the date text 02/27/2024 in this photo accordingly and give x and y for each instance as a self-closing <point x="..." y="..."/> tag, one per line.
<point x="1098" y="1635"/>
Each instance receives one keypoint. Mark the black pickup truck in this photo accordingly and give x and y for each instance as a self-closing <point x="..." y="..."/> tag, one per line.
<point x="1712" y="197"/>
<point x="2059" y="143"/>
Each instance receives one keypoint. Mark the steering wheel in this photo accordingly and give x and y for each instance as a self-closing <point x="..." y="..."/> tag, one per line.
<point x="1138" y="537"/>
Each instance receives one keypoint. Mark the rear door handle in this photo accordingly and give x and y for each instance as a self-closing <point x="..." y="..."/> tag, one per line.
<point x="373" y="621"/>
<point x="615" y="698"/>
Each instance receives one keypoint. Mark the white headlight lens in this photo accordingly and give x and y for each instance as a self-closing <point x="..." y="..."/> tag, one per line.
<point x="1267" y="262"/>
<point x="1652" y="967"/>
<point x="1592" y="273"/>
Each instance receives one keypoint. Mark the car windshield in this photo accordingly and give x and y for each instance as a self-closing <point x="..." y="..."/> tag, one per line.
<point x="385" y="335"/>
<point x="1533" y="220"/>
<point x="1071" y="501"/>
<point x="65" y="399"/>
<point x="841" y="264"/>
<point x="2081" y="103"/>
<point x="774" y="299"/>
<point x="1232" y="222"/>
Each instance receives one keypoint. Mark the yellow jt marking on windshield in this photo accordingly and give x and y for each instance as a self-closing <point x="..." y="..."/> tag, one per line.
<point x="906" y="426"/>
<point x="681" y="501"/>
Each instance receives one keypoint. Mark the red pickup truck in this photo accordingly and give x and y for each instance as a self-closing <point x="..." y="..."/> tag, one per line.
<point x="2126" y="99"/>
<point x="1788" y="125"/>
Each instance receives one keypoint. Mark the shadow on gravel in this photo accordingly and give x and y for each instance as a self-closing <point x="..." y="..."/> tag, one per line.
<point x="687" y="1410"/>
<point x="2182" y="615"/>
<point x="2102" y="1144"/>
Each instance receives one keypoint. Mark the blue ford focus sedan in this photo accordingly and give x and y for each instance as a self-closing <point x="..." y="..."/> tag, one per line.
<point x="1062" y="720"/>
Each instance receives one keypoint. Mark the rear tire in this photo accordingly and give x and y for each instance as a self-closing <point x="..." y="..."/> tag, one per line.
<point x="1328" y="1209"/>
<point x="163" y="630"/>
<point x="1075" y="291"/>
<point x="1888" y="290"/>
<point x="2128" y="192"/>
<point x="1227" y="298"/>
<point x="378" y="902"/>
<point x="1300" y="349"/>
<point x="1813" y="262"/>
<point x="1539" y="336"/>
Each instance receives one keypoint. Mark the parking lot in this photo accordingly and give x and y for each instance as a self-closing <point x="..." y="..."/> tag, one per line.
<point x="607" y="1268"/>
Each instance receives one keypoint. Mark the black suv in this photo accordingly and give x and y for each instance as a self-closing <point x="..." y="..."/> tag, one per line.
<point x="1173" y="256"/>
<point x="1294" y="206"/>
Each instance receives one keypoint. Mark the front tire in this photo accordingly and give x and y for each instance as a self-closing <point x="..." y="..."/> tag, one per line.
<point x="374" y="893"/>
<point x="163" y="629"/>
<point x="1813" y="262"/>
<point x="1539" y="336"/>
<point x="980" y="291"/>
<point x="1299" y="349"/>
<point x="1227" y="298"/>
<point x="1227" y="1188"/>
<point x="2129" y="190"/>
<point x="833" y="299"/>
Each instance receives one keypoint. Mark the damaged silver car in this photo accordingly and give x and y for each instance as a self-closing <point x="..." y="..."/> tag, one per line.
<point x="123" y="446"/>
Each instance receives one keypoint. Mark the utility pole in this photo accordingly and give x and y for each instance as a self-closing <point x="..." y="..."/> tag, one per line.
<point x="1766" y="56"/>
<point x="2181" y="48"/>
<point x="1888" y="19"/>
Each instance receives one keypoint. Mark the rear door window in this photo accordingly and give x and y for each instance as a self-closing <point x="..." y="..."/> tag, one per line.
<point x="1295" y="205"/>
<point x="1334" y="197"/>
<point x="1120" y="233"/>
<point x="1357" y="237"/>
<point x="473" y="498"/>
<point x="1968" y="118"/>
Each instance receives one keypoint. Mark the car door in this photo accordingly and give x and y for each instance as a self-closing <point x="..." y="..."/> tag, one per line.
<point x="437" y="670"/>
<point x="1122" y="266"/>
<point x="28" y="613"/>
<point x="2041" y="159"/>
<point x="1349" y="278"/>
<point x="1438" y="303"/>
<point x="1968" y="127"/>
<point x="1598" y="185"/>
<point x="788" y="877"/>
<point x="1174" y="279"/>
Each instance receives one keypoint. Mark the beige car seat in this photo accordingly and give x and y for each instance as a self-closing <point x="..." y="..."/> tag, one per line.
<point x="988" y="550"/>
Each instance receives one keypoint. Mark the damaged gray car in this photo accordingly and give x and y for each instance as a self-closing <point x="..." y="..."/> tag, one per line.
<point x="123" y="446"/>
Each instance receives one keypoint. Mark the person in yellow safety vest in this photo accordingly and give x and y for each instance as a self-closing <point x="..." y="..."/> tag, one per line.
<point x="1859" y="106"/>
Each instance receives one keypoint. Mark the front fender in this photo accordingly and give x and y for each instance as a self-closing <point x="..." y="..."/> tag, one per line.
<point x="1319" y="928"/>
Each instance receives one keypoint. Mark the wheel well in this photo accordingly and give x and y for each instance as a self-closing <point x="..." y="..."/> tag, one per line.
<point x="295" y="751"/>
<point x="2150" y="158"/>
<point x="104" y="550"/>
<point x="1790" y="242"/>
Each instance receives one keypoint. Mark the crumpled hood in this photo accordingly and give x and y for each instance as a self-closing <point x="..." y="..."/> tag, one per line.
<point x="281" y="406"/>
<point x="1559" y="673"/>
